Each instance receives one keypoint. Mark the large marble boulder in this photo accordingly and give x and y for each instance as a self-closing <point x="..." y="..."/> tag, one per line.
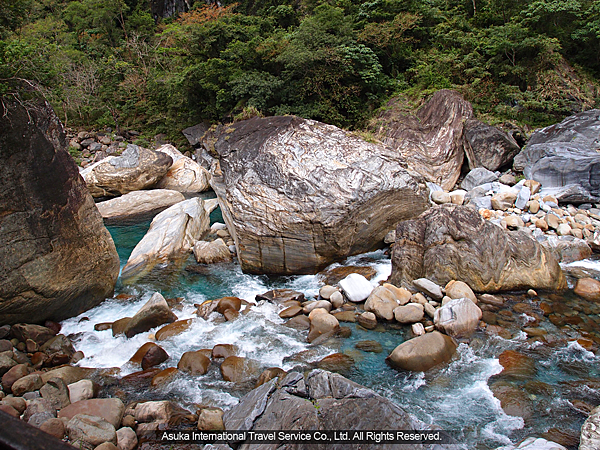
<point x="487" y="146"/>
<point x="430" y="141"/>
<point x="566" y="154"/>
<point x="319" y="401"/>
<point x="136" y="169"/>
<point x="298" y="194"/>
<point x="56" y="257"/>
<point x="138" y="204"/>
<point x="185" y="175"/>
<point x="171" y="236"/>
<point x="451" y="242"/>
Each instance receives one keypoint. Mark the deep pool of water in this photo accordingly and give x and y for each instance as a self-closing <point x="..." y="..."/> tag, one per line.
<point x="456" y="397"/>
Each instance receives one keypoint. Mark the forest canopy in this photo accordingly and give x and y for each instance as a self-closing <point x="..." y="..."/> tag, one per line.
<point x="113" y="63"/>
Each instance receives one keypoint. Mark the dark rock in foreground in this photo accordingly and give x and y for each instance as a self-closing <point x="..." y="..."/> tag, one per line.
<point x="298" y="195"/>
<point x="566" y="154"/>
<point x="56" y="257"/>
<point x="320" y="401"/>
<point x="455" y="243"/>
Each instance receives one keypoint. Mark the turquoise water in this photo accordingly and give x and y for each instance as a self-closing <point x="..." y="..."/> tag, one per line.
<point x="456" y="397"/>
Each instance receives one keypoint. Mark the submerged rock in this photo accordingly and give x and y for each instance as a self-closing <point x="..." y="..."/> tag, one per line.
<point x="172" y="234"/>
<point x="423" y="352"/>
<point x="57" y="257"/>
<point x="138" y="204"/>
<point x="455" y="243"/>
<point x="298" y="194"/>
<point x="136" y="169"/>
<point x="89" y="431"/>
<point x="431" y="140"/>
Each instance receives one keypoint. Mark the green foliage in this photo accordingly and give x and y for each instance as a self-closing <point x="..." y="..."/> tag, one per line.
<point x="109" y="63"/>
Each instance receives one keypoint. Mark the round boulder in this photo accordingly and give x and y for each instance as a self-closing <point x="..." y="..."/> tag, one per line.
<point x="458" y="318"/>
<point x="194" y="363"/>
<point x="423" y="352"/>
<point x="322" y="324"/>
<point x="588" y="288"/>
<point x="382" y="303"/>
<point x="238" y="369"/>
<point x="411" y="313"/>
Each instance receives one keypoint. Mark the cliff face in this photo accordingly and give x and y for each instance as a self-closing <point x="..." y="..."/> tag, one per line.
<point x="56" y="257"/>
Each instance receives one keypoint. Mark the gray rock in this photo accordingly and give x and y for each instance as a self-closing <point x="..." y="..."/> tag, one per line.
<point x="59" y="344"/>
<point x="523" y="197"/>
<point x="243" y="415"/>
<point x="57" y="257"/>
<point x="91" y="431"/>
<point x="95" y="147"/>
<point x="429" y="287"/>
<point x="477" y="177"/>
<point x="481" y="202"/>
<point x="487" y="146"/>
<point x="334" y="402"/>
<point x="565" y="153"/>
<point x="571" y="193"/>
<point x="534" y="443"/>
<point x="56" y="392"/>
<point x="6" y="362"/>
<point x="194" y="134"/>
<point x="298" y="195"/>
<point x="39" y="406"/>
<point x="38" y="419"/>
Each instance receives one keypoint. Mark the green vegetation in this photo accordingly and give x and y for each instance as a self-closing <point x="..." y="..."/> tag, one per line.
<point x="109" y="63"/>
